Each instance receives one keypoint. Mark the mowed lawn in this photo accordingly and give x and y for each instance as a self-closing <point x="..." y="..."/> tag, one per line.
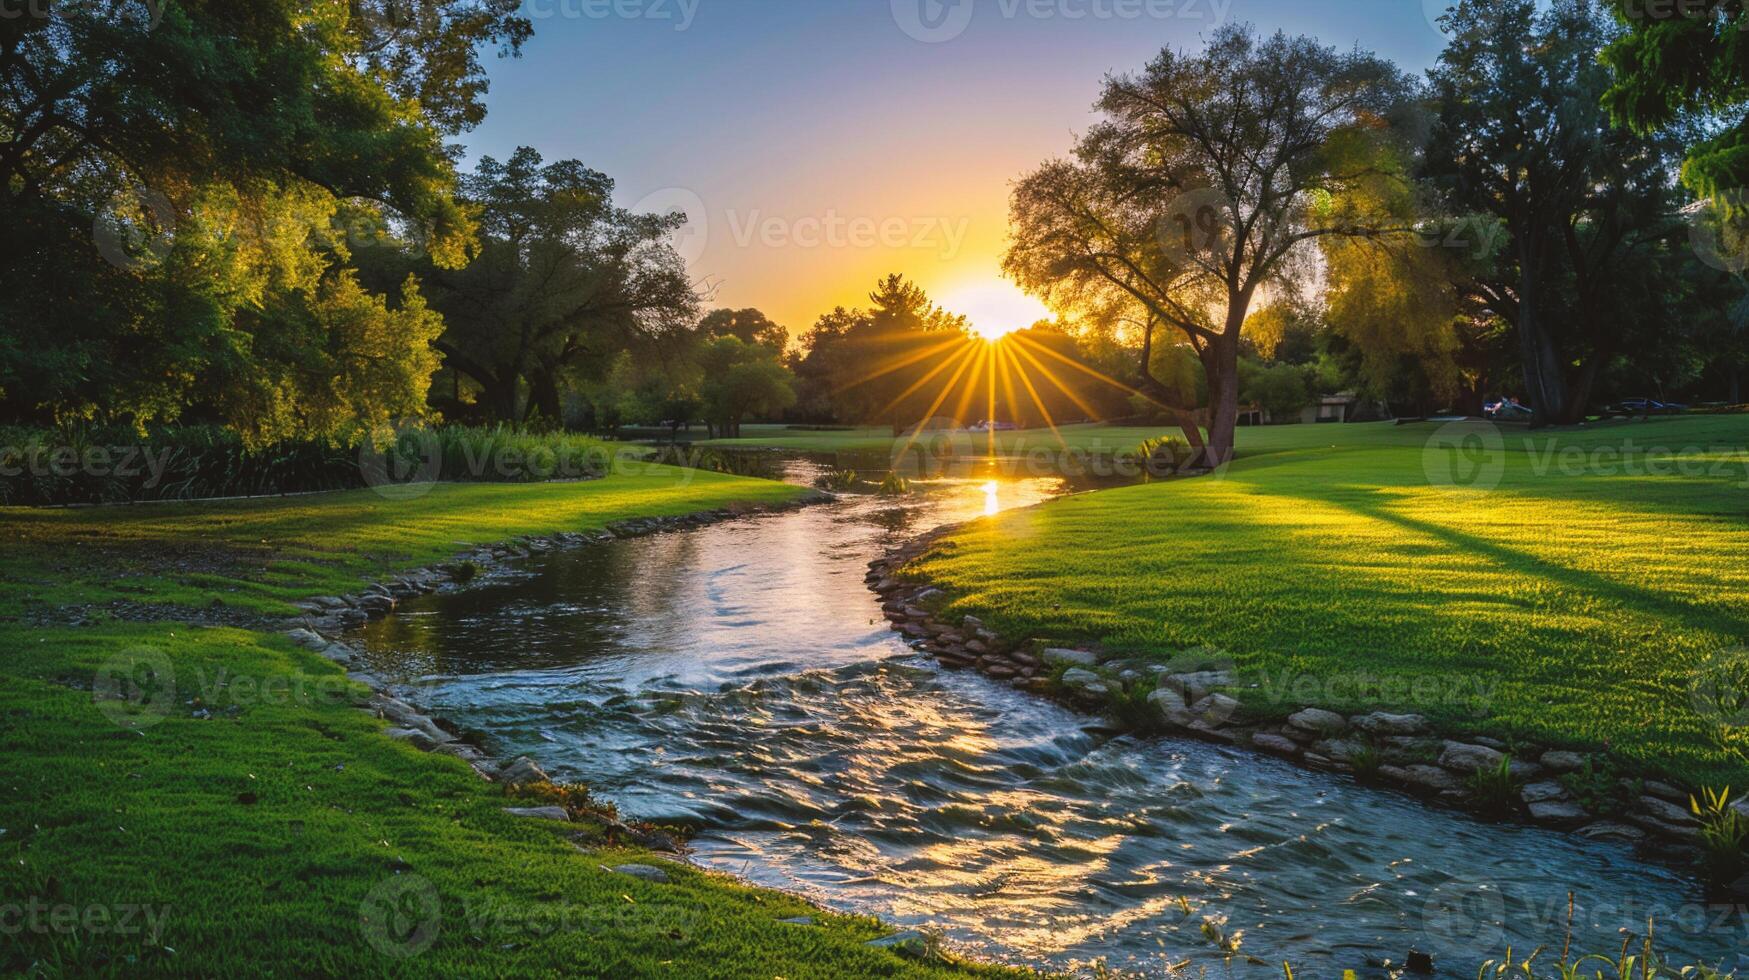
<point x="261" y="823"/>
<point x="1564" y="589"/>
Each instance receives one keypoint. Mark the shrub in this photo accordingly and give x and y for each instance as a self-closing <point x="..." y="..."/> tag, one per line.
<point x="1163" y="455"/>
<point x="115" y="464"/>
<point x="894" y="486"/>
<point x="1493" y="789"/>
<point x="1723" y="831"/>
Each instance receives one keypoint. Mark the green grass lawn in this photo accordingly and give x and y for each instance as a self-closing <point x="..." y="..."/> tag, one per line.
<point x="264" y="818"/>
<point x="1570" y="604"/>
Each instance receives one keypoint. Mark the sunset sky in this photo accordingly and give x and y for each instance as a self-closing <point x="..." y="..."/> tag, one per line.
<point x="819" y="144"/>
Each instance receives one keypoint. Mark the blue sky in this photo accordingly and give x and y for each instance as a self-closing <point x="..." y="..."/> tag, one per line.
<point x="820" y="143"/>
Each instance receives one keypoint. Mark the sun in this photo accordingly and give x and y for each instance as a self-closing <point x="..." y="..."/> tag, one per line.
<point x="995" y="308"/>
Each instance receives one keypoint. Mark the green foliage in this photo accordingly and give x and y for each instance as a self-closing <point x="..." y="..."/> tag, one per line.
<point x="742" y="379"/>
<point x="182" y="188"/>
<point x="1366" y="761"/>
<point x="1163" y="455"/>
<point x="85" y="465"/>
<point x="837" y="480"/>
<point x="1279" y="389"/>
<point x="1600" y="787"/>
<point x="894" y="485"/>
<point x="1723" y="830"/>
<point x="1493" y="788"/>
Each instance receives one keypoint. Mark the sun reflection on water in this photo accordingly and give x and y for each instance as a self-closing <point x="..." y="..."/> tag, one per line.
<point x="992" y="499"/>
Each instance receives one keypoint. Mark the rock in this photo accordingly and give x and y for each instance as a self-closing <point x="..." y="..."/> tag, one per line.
<point x="329" y="602"/>
<point x="1076" y="679"/>
<point x="1610" y="830"/>
<point x="799" y="920"/>
<point x="1001" y="672"/>
<point x="1345" y="749"/>
<point x="540" y="813"/>
<point x="1025" y="659"/>
<point x="971" y="624"/>
<point x="1275" y="743"/>
<point x="308" y="639"/>
<point x="910" y="943"/>
<point x="1663" y="827"/>
<point x="1665" y="791"/>
<point x="522" y="770"/>
<point x="1318" y="721"/>
<point x="1170" y="704"/>
<point x="1430" y="777"/>
<point x="1492" y="743"/>
<point x="977" y="647"/>
<point x="1543" y="792"/>
<point x="1060" y="655"/>
<point x="340" y="653"/>
<point x="405" y="716"/>
<point x="461" y="750"/>
<point x="647" y="872"/>
<point x="1214" y="710"/>
<point x="1383" y="723"/>
<point x="1196" y="685"/>
<point x="1469" y="758"/>
<point x="1557" y="811"/>
<point x="1560" y="761"/>
<point x="1666" y="812"/>
<point x="413" y="736"/>
<point x="1523" y="771"/>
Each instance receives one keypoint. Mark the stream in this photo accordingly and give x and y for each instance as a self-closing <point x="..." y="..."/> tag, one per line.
<point x="739" y="679"/>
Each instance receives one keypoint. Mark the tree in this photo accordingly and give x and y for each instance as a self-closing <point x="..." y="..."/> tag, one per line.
<point x="751" y="326"/>
<point x="1677" y="60"/>
<point x="1200" y="186"/>
<point x="562" y="281"/>
<point x="177" y="185"/>
<point x="741" y="379"/>
<point x="1521" y="138"/>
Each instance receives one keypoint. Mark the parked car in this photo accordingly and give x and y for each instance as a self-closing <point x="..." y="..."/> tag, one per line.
<point x="1649" y="406"/>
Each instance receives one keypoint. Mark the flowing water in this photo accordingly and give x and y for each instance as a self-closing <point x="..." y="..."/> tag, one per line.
<point x="739" y="678"/>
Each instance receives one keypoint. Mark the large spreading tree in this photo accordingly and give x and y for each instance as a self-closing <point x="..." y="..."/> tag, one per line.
<point x="562" y="282"/>
<point x="177" y="183"/>
<point x="1521" y="138"/>
<point x="1203" y="184"/>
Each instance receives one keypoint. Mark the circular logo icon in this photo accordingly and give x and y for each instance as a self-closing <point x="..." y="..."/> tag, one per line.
<point x="1435" y="11"/>
<point x="1719" y="688"/>
<point x="135" y="688"/>
<point x="136" y="230"/>
<point x="1718" y="231"/>
<point x="935" y="447"/>
<point x="1465" y="455"/>
<point x="691" y="237"/>
<point x="1196" y="673"/>
<point x="401" y="465"/>
<point x="401" y="916"/>
<point x="933" y="21"/>
<point x="1467" y="914"/>
<point x="1198" y="227"/>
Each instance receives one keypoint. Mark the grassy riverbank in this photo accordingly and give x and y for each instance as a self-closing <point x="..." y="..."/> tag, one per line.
<point x="1562" y="588"/>
<point x="261" y="823"/>
<point x="1090" y="437"/>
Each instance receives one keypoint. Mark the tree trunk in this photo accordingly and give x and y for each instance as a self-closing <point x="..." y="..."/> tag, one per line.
<point x="1220" y="361"/>
<point x="1544" y="386"/>
<point x="1152" y="389"/>
<point x="543" y="397"/>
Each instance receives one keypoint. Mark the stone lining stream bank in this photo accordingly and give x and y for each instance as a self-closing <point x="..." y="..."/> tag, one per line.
<point x="1395" y="751"/>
